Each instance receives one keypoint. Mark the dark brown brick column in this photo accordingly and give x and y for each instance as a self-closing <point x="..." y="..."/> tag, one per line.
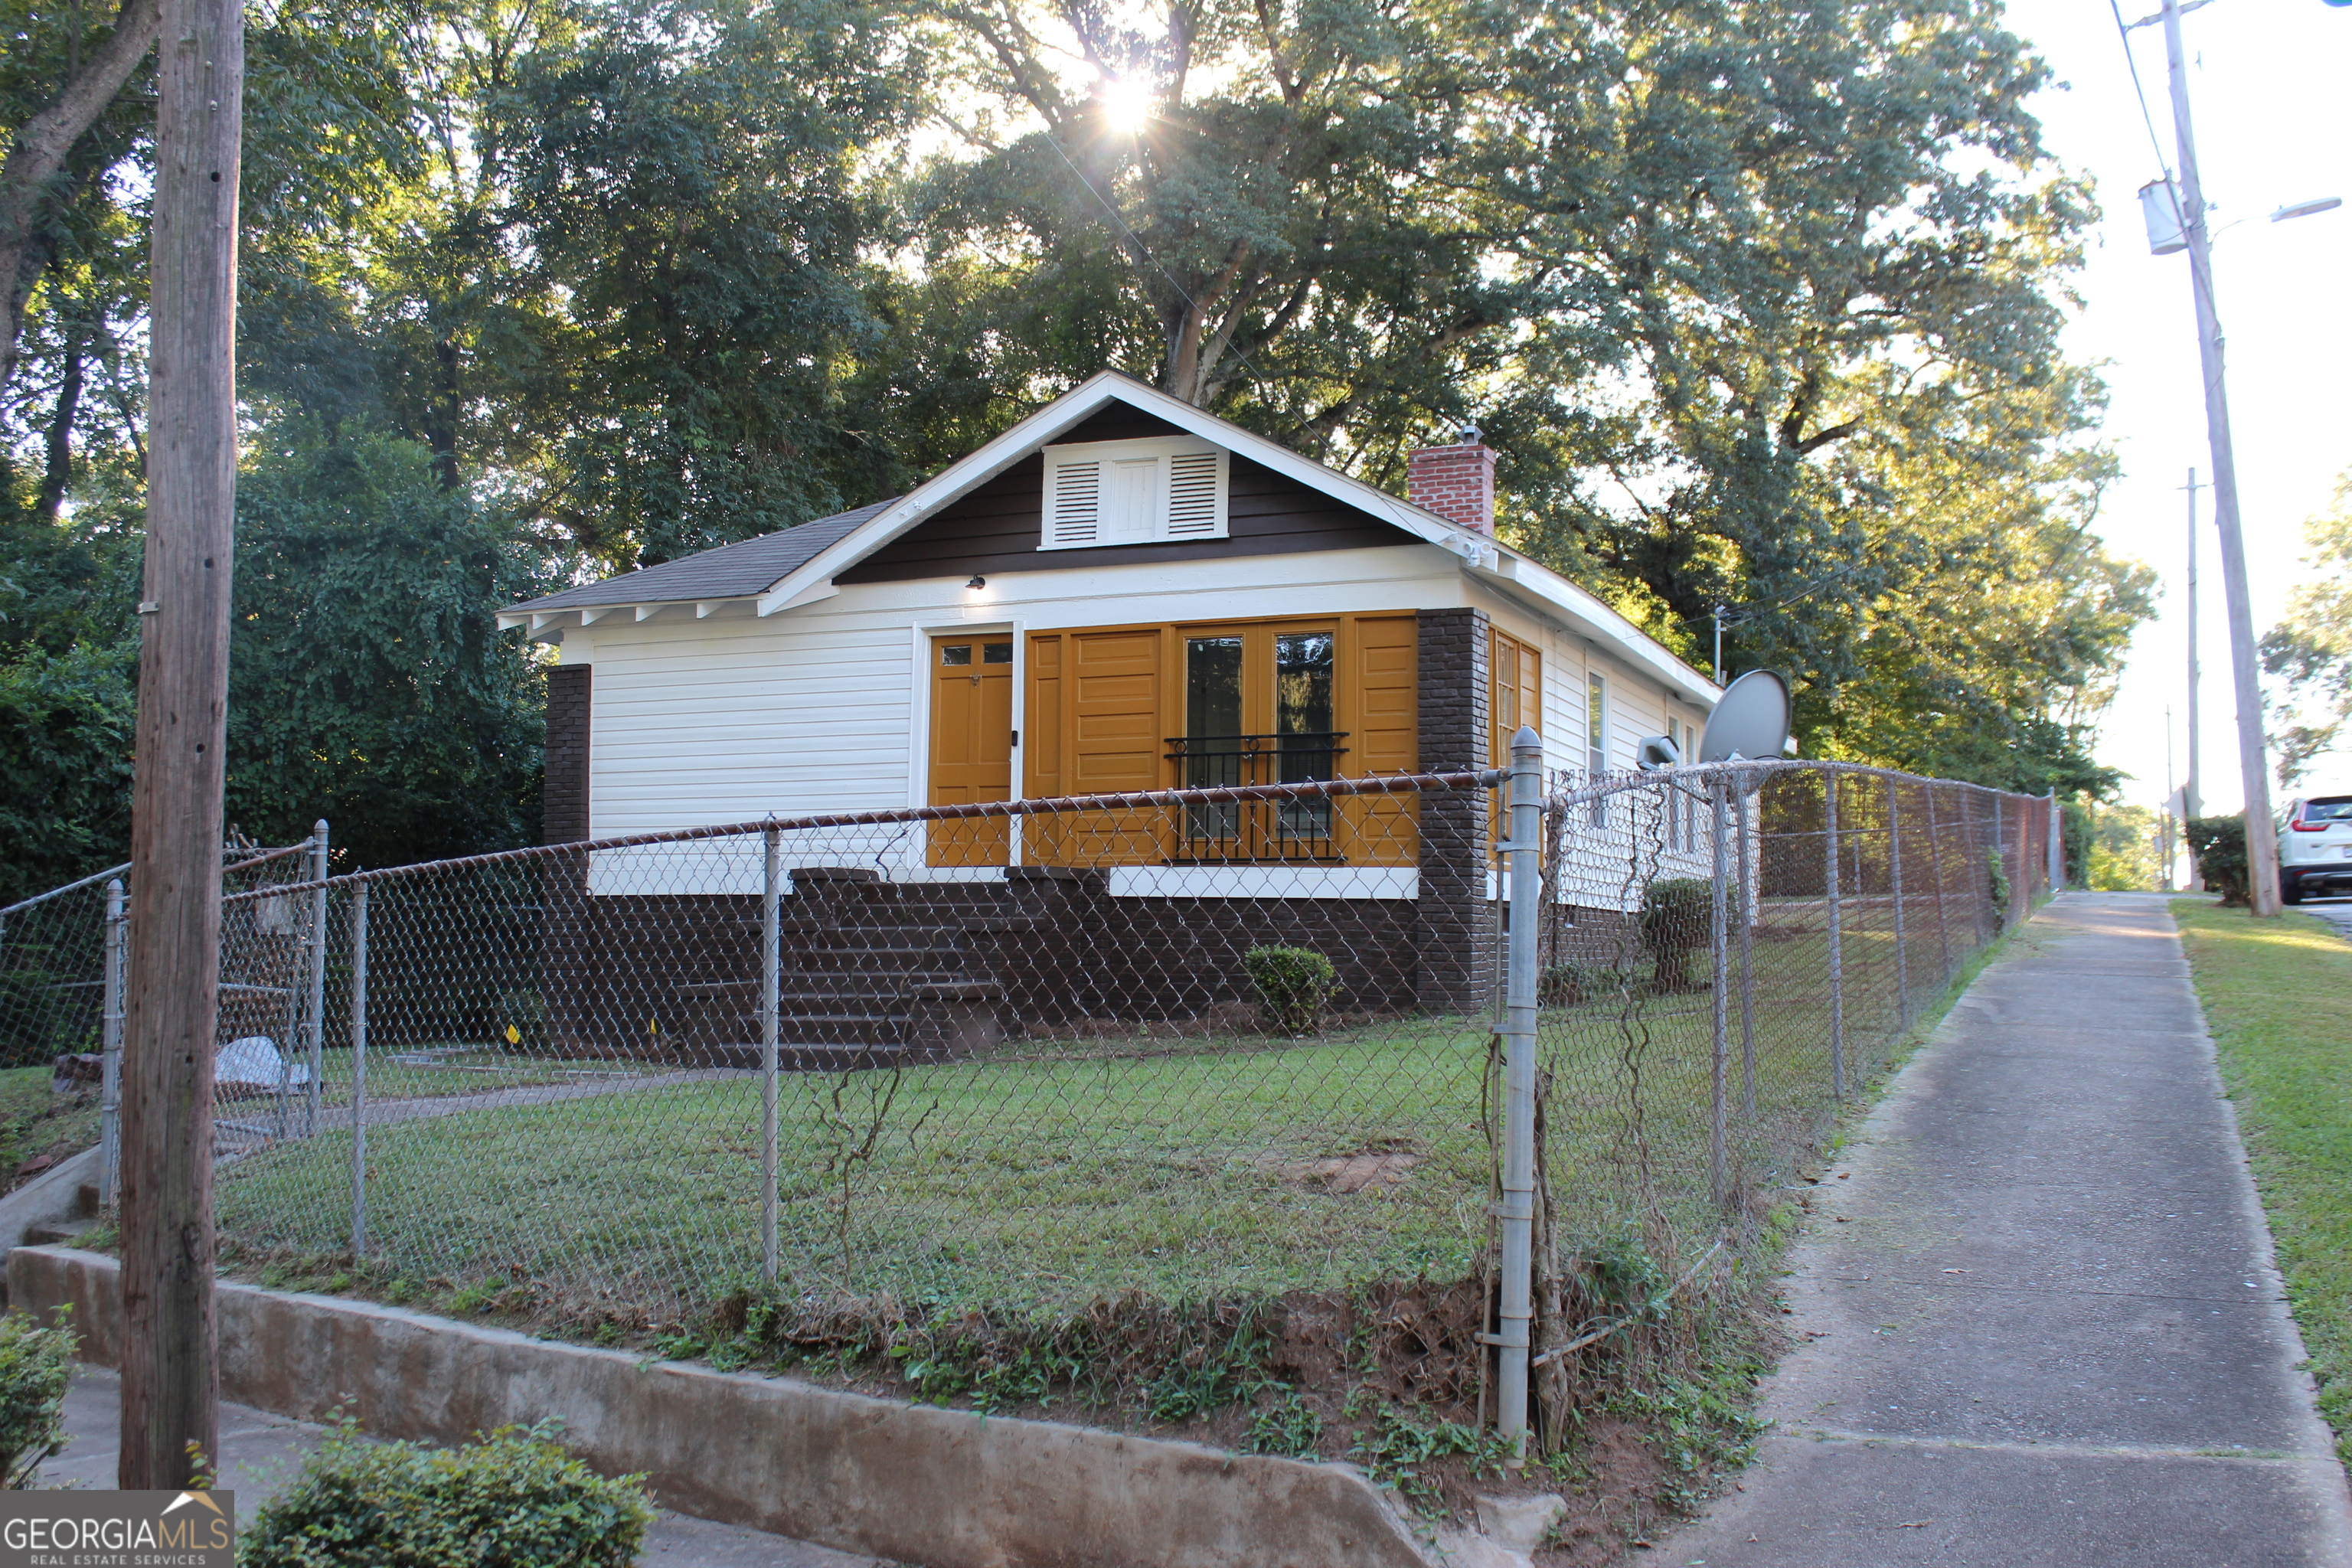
<point x="571" y="972"/>
<point x="563" y="815"/>
<point x="1457" y="925"/>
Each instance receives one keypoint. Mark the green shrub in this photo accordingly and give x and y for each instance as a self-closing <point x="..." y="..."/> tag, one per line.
<point x="1293" y="984"/>
<point x="525" y="1014"/>
<point x="512" y="1499"/>
<point x="36" y="1363"/>
<point x="2218" y="846"/>
<point x="1997" y="886"/>
<point x="1564" y="985"/>
<point x="1677" y="916"/>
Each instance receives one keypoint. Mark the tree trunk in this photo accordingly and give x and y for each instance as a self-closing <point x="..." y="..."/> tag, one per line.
<point x="40" y="151"/>
<point x="170" y="1382"/>
<point x="56" y="471"/>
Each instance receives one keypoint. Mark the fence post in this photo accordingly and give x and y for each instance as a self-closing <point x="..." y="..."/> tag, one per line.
<point x="1837" y="937"/>
<point x="359" y="1069"/>
<point x="1517" y="1313"/>
<point x="316" y="1003"/>
<point x="1747" y="959"/>
<point x="109" y="1071"/>
<point x="1936" y="859"/>
<point x="771" y="935"/>
<point x="1718" y="932"/>
<point x="2057" y="844"/>
<point x="1894" y="882"/>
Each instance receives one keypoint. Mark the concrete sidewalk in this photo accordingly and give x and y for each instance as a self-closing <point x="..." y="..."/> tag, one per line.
<point x="2039" y="1323"/>
<point x="260" y="1453"/>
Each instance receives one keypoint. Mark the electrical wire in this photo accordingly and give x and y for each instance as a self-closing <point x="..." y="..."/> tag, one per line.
<point x="2147" y="117"/>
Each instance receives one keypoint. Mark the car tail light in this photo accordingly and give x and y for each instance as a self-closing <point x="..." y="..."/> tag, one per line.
<point x="2302" y="827"/>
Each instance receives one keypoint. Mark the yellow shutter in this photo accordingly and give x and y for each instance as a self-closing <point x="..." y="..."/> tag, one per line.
<point x="1382" y="710"/>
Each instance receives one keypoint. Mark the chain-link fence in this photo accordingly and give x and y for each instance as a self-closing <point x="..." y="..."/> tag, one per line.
<point x="1734" y="951"/>
<point x="1206" y="1045"/>
<point x="62" y="980"/>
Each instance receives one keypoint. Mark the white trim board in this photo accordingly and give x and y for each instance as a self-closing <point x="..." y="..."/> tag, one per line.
<point x="1263" y="882"/>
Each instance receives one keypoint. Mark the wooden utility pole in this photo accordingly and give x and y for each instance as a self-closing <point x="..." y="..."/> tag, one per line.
<point x="2254" y="768"/>
<point x="170" y="1382"/>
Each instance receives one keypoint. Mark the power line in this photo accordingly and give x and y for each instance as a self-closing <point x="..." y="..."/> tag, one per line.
<point x="2123" y="35"/>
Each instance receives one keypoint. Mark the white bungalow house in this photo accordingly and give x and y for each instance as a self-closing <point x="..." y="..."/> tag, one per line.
<point x="1120" y="593"/>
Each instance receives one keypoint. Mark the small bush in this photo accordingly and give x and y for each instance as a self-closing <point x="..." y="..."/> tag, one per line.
<point x="525" y="1013"/>
<point x="1293" y="984"/>
<point x="1677" y="916"/>
<point x="36" y="1363"/>
<point x="1996" y="886"/>
<point x="2218" y="846"/>
<point x="513" y="1500"/>
<point x="1564" y="985"/>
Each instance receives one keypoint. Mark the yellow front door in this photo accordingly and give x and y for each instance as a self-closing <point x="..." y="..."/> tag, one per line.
<point x="971" y="746"/>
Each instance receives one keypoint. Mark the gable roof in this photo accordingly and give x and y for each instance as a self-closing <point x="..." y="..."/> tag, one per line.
<point x="778" y="571"/>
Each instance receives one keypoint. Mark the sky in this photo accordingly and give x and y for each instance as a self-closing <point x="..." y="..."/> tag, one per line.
<point x="2274" y="118"/>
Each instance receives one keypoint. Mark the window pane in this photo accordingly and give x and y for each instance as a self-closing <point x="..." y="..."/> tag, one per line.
<point x="1302" y="683"/>
<point x="956" y="653"/>
<point x="1213" y="686"/>
<point x="996" y="653"/>
<point x="1212" y="749"/>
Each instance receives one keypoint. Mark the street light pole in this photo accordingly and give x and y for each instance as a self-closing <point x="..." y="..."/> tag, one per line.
<point x="2262" y="833"/>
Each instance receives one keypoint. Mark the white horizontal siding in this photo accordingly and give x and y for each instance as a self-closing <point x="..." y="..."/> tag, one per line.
<point x="725" y="720"/>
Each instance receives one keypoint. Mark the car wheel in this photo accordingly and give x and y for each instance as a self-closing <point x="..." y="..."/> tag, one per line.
<point x="2290" y="889"/>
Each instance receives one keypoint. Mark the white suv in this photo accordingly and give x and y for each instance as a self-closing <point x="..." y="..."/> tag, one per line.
<point x="2316" y="850"/>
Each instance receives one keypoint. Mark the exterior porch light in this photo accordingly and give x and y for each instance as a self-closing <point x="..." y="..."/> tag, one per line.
<point x="977" y="581"/>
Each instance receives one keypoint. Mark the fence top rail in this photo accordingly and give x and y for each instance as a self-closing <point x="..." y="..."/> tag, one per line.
<point x="1138" y="800"/>
<point x="1696" y="774"/>
<point x="263" y="858"/>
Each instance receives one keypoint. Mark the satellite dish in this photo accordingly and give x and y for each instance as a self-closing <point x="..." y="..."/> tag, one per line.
<point x="1750" y="721"/>
<point x="1657" y="752"/>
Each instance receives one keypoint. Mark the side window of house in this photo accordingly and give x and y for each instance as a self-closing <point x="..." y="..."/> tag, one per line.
<point x="1677" y="824"/>
<point x="1134" y="492"/>
<point x="1596" y="739"/>
<point x="1515" y="694"/>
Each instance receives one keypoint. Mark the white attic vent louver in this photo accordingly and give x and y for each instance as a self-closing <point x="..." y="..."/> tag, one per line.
<point x="1134" y="492"/>
<point x="1075" y="505"/>
<point x="1196" y="494"/>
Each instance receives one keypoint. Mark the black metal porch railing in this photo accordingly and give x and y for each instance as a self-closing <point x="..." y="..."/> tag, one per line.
<point x="1258" y="829"/>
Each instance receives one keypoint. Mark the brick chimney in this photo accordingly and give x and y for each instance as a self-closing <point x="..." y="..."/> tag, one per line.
<point x="1455" y="482"/>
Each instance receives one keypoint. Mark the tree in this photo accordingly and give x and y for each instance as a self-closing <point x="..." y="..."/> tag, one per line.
<point x="2311" y="650"/>
<point x="371" y="685"/>
<point x="52" y="155"/>
<point x="1756" y="301"/>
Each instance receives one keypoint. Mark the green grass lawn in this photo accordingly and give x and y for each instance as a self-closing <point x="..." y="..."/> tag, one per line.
<point x="2278" y="997"/>
<point x="1055" y="1174"/>
<point x="34" y="1120"/>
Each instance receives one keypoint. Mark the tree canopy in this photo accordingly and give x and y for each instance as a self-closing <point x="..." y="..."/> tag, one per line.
<point x="1761" y="304"/>
<point x="2309" y="654"/>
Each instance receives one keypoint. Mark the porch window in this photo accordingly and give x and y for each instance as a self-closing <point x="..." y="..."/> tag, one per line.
<point x="1223" y="674"/>
<point x="1223" y="704"/>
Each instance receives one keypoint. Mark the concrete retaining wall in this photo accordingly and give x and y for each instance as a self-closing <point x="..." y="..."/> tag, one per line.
<point x="942" y="1487"/>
